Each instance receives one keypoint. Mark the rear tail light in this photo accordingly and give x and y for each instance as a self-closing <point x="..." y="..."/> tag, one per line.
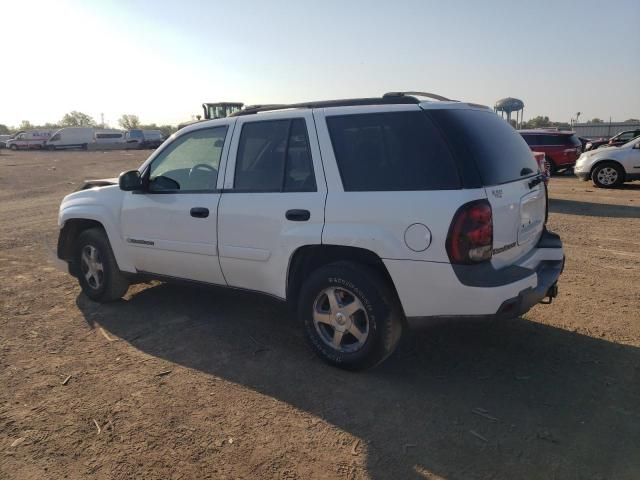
<point x="470" y="238"/>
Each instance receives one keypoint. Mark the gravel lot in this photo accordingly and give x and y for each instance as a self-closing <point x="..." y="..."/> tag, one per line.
<point x="177" y="382"/>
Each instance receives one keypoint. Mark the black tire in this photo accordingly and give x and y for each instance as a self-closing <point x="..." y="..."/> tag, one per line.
<point x="380" y="311"/>
<point x="84" y="146"/>
<point x="13" y="147"/>
<point x="553" y="169"/>
<point x="112" y="285"/>
<point x="51" y="148"/>
<point x="607" y="175"/>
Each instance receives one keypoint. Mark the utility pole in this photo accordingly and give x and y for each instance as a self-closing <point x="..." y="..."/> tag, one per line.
<point x="102" y="120"/>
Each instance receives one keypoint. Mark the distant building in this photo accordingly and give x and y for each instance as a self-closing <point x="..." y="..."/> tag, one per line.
<point x="606" y="129"/>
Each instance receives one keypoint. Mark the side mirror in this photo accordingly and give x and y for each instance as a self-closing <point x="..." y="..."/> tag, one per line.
<point x="130" y="181"/>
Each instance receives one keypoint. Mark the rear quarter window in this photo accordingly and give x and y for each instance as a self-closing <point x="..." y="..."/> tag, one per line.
<point x="391" y="151"/>
<point x="482" y="140"/>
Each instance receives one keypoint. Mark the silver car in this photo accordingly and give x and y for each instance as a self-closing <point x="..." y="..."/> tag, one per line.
<point x="612" y="166"/>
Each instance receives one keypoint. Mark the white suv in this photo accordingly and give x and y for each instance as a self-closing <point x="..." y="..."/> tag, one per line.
<point x="367" y="215"/>
<point x="610" y="167"/>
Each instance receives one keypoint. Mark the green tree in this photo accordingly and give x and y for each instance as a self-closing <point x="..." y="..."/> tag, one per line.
<point x="537" y="122"/>
<point x="77" y="119"/>
<point x="595" y="120"/>
<point x="632" y="120"/>
<point x="4" y="130"/>
<point x="25" y="125"/>
<point x="129" y="122"/>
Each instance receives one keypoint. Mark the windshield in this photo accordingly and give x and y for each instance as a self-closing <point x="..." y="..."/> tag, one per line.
<point x="631" y="143"/>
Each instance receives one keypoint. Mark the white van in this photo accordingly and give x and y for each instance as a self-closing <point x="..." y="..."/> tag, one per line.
<point x="109" y="136"/>
<point x="71" y="137"/>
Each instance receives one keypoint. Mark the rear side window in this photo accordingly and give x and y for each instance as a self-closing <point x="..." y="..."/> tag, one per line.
<point x="108" y="135"/>
<point x="532" y="140"/>
<point x="274" y="156"/>
<point x="391" y="152"/>
<point x="574" y="141"/>
<point x="483" y="140"/>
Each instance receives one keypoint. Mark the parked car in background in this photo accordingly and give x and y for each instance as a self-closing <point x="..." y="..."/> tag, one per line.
<point x="366" y="215"/>
<point x="610" y="167"/>
<point x="584" y="141"/>
<point x="615" y="141"/>
<point x="30" y="139"/>
<point x="71" y="137"/>
<point x="4" y="139"/>
<point x="561" y="148"/>
<point x="138" y="138"/>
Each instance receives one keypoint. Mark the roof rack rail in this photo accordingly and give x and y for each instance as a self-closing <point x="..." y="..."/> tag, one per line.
<point x="387" y="99"/>
<point x="418" y="94"/>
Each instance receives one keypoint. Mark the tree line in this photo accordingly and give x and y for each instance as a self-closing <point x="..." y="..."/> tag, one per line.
<point x="544" y="122"/>
<point x="79" y="119"/>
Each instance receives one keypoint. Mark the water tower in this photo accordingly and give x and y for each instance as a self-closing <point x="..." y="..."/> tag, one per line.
<point x="508" y="106"/>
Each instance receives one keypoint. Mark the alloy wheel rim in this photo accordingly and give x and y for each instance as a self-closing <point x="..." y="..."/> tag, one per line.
<point x="340" y="319"/>
<point x="92" y="267"/>
<point x="608" y="176"/>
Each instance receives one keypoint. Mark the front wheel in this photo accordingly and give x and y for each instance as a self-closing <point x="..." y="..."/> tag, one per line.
<point x="351" y="316"/>
<point x="96" y="267"/>
<point x="607" y="175"/>
<point x="13" y="147"/>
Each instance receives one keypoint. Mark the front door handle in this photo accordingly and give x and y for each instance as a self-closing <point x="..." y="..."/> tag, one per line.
<point x="297" y="215"/>
<point x="199" y="212"/>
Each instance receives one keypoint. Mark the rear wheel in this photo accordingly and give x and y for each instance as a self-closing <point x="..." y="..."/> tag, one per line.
<point x="351" y="317"/>
<point x="553" y="169"/>
<point x="98" y="272"/>
<point x="607" y="175"/>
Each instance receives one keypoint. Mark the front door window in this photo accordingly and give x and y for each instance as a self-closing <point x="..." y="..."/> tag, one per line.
<point x="190" y="163"/>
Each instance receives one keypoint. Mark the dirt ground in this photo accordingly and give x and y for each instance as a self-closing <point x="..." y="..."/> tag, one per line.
<point x="183" y="382"/>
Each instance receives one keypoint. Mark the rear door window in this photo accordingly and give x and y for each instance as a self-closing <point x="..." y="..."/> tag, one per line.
<point x="481" y="139"/>
<point x="392" y="151"/>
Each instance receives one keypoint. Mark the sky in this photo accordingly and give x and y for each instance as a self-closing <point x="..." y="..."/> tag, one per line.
<point x="161" y="59"/>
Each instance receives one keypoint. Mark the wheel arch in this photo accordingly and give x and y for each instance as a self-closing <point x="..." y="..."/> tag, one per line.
<point x="308" y="258"/>
<point x="73" y="224"/>
<point x="606" y="160"/>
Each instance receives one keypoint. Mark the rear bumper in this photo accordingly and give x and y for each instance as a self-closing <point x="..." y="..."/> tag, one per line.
<point x="548" y="274"/>
<point x="432" y="292"/>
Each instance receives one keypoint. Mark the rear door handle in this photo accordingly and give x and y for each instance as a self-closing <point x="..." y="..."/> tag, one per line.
<point x="199" y="212"/>
<point x="297" y="215"/>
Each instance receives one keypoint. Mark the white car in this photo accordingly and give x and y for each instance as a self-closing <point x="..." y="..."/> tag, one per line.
<point x="366" y="215"/>
<point x="610" y="167"/>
